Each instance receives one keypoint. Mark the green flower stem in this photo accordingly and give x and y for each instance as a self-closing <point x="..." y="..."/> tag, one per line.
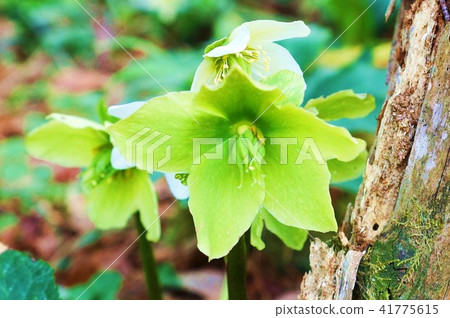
<point x="237" y="271"/>
<point x="148" y="262"/>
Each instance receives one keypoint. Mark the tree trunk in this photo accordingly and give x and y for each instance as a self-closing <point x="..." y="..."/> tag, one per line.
<point x="395" y="237"/>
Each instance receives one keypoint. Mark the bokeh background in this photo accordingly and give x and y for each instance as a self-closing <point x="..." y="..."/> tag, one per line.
<point x="55" y="58"/>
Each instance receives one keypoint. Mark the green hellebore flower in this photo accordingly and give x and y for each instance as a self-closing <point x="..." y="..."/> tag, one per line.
<point x="250" y="46"/>
<point x="112" y="195"/>
<point x="230" y="178"/>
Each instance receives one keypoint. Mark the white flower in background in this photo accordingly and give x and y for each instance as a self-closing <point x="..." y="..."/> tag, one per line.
<point x="250" y="46"/>
<point x="118" y="162"/>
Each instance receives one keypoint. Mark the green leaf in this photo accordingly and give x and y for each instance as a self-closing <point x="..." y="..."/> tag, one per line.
<point x="7" y="220"/>
<point x="175" y="69"/>
<point x="293" y="237"/>
<point x="113" y="201"/>
<point x="343" y="104"/>
<point x="351" y="186"/>
<point x="167" y="123"/>
<point x="256" y="232"/>
<point x="295" y="122"/>
<point x="67" y="143"/>
<point x="224" y="202"/>
<point x="24" y="182"/>
<point x="291" y="84"/>
<point x="100" y="287"/>
<point x="89" y="238"/>
<point x="22" y="278"/>
<point x="344" y="171"/>
<point x="168" y="276"/>
<point x="298" y="194"/>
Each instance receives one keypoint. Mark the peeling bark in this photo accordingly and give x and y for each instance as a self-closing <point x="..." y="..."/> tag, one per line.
<point x="400" y="216"/>
<point x="322" y="282"/>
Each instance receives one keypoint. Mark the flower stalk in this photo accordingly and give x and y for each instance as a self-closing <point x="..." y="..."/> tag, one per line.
<point x="236" y="263"/>
<point x="152" y="283"/>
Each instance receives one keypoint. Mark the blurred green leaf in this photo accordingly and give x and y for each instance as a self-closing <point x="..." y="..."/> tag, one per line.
<point x="28" y="93"/>
<point x="100" y="287"/>
<point x="12" y="160"/>
<point x="173" y="70"/>
<point x="306" y="50"/>
<point x="168" y="276"/>
<point x="59" y="27"/>
<point x="7" y="220"/>
<point x="23" y="278"/>
<point x="351" y="186"/>
<point x="89" y="238"/>
<point x="34" y="120"/>
<point x="19" y="180"/>
<point x="83" y="105"/>
<point x="341" y="16"/>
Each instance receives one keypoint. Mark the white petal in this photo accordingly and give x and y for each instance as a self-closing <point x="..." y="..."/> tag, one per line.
<point x="118" y="162"/>
<point x="125" y="110"/>
<point x="179" y="190"/>
<point x="280" y="59"/>
<point x="204" y="74"/>
<point x="238" y="42"/>
<point x="269" y="30"/>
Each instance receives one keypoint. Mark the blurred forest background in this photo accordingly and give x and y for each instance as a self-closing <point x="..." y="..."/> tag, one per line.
<point x="55" y="58"/>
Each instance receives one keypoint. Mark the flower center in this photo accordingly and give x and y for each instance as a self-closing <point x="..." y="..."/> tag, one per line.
<point x="243" y="59"/>
<point x="250" y="150"/>
<point x="251" y="132"/>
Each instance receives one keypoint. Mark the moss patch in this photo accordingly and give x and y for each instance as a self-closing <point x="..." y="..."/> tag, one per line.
<point x="395" y="267"/>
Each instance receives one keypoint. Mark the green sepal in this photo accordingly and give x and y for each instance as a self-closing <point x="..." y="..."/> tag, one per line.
<point x="112" y="202"/>
<point x="296" y="122"/>
<point x="291" y="84"/>
<point x="68" y="141"/>
<point x="343" y="104"/>
<point x="166" y="123"/>
<point x="297" y="194"/>
<point x="224" y="201"/>
<point x="345" y="171"/>
<point x="256" y="232"/>
<point x="242" y="99"/>
<point x="292" y="237"/>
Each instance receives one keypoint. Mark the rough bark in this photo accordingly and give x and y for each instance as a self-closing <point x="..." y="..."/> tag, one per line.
<point x="399" y="221"/>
